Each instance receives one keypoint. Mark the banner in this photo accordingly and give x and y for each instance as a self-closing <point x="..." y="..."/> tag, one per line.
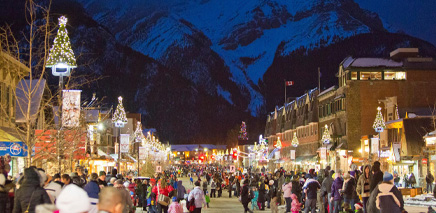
<point x="15" y="149"/>
<point x="374" y="146"/>
<point x="323" y="153"/>
<point x="142" y="153"/>
<point x="396" y="147"/>
<point x="124" y="143"/>
<point x="292" y="154"/>
<point x="71" y="108"/>
<point x="277" y="155"/>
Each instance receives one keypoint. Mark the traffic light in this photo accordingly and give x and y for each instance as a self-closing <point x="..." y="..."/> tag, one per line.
<point x="235" y="154"/>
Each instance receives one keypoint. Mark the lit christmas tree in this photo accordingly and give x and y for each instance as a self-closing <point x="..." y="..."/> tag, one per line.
<point x="119" y="118"/>
<point x="61" y="52"/>
<point x="379" y="123"/>
<point x="279" y="143"/>
<point x="243" y="132"/>
<point x="326" y="135"/>
<point x="295" y="142"/>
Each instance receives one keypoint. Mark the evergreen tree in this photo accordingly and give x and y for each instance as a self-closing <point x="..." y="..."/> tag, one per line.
<point x="119" y="116"/>
<point x="61" y="51"/>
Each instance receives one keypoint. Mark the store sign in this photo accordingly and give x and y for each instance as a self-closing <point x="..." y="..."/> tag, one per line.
<point x="124" y="143"/>
<point x="374" y="145"/>
<point x="142" y="153"/>
<point x="15" y="149"/>
<point x="424" y="161"/>
<point x="292" y="154"/>
<point x="385" y="154"/>
<point x="71" y="108"/>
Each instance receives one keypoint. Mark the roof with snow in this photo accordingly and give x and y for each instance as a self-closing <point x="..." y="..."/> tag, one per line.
<point x="350" y="62"/>
<point x="28" y="90"/>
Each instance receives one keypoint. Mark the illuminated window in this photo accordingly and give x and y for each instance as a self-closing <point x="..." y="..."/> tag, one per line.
<point x="353" y="75"/>
<point x="370" y="76"/>
<point x="395" y="75"/>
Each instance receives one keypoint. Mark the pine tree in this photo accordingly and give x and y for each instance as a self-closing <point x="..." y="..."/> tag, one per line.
<point x="379" y="123"/>
<point x="326" y="135"/>
<point x="295" y="142"/>
<point x="61" y="51"/>
<point x="119" y="117"/>
<point x="243" y="132"/>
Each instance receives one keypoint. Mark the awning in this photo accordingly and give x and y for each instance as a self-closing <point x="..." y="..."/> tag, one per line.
<point x="11" y="145"/>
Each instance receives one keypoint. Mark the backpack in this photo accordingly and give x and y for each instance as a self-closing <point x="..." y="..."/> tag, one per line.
<point x="190" y="205"/>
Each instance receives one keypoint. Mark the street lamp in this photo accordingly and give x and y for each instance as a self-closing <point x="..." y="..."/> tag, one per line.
<point x="138" y="139"/>
<point x="379" y="126"/>
<point x="295" y="140"/>
<point x="119" y="119"/>
<point x="326" y="139"/>
<point x="61" y="60"/>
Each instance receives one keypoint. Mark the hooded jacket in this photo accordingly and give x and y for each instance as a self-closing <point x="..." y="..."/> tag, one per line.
<point x="311" y="186"/>
<point x="376" y="178"/>
<point x="92" y="189"/>
<point x="30" y="194"/>
<point x="336" y="186"/>
<point x="287" y="190"/>
<point x="327" y="182"/>
<point x="181" y="191"/>
<point x="385" y="198"/>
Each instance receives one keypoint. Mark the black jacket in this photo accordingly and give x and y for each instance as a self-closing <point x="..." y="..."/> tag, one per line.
<point x="245" y="198"/>
<point x="262" y="193"/>
<point x="30" y="194"/>
<point x="350" y="189"/>
<point x="376" y="179"/>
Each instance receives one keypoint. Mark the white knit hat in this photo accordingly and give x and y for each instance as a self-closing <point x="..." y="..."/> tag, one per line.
<point x="73" y="199"/>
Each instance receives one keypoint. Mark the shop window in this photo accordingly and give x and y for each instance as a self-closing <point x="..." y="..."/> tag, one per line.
<point x="370" y="76"/>
<point x="394" y="75"/>
<point x="353" y="75"/>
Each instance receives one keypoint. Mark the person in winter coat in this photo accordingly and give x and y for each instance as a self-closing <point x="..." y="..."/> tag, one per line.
<point x="92" y="189"/>
<point x="212" y="188"/>
<point x="175" y="207"/>
<point x="181" y="191"/>
<point x="295" y="206"/>
<point x="198" y="196"/>
<point x="377" y="176"/>
<point x="262" y="193"/>
<point x="30" y="193"/>
<point x="296" y="187"/>
<point x="73" y="199"/>
<point x="336" y="196"/>
<point x="349" y="190"/>
<point x="205" y="186"/>
<point x="412" y="180"/>
<point x="287" y="191"/>
<point x="238" y="187"/>
<point x="326" y="187"/>
<point x="164" y="189"/>
<point x="272" y="193"/>
<point x="53" y="188"/>
<point x="254" y="203"/>
<point x="245" y="196"/>
<point x="310" y="188"/>
<point x="362" y="188"/>
<point x="386" y="198"/>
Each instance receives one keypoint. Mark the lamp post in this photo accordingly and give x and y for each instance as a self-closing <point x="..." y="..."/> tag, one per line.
<point x="138" y="139"/>
<point x="326" y="139"/>
<point x="379" y="126"/>
<point x="119" y="119"/>
<point x="61" y="60"/>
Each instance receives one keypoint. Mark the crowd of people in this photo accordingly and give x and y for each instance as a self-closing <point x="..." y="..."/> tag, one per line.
<point x="367" y="189"/>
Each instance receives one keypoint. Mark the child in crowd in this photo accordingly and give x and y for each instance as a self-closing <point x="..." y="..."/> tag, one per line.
<point x="207" y="198"/>
<point x="192" y="180"/>
<point x="358" y="207"/>
<point x="254" y="204"/>
<point x="295" y="205"/>
<point x="175" y="207"/>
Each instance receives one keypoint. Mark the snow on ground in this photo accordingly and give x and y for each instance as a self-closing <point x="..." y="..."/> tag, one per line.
<point x="424" y="200"/>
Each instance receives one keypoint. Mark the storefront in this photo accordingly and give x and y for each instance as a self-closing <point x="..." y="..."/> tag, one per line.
<point x="10" y="145"/>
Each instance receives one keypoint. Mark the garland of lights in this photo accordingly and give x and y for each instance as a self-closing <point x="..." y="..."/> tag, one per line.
<point x="295" y="142"/>
<point x="61" y="51"/>
<point x="243" y="132"/>
<point x="326" y="135"/>
<point x="379" y="123"/>
<point x="119" y="117"/>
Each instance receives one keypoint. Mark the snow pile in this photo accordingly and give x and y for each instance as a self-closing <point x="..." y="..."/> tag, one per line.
<point x="421" y="200"/>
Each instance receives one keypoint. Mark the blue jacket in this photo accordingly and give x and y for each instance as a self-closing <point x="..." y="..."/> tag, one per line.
<point x="336" y="186"/>
<point x="385" y="198"/>
<point x="311" y="187"/>
<point x="92" y="189"/>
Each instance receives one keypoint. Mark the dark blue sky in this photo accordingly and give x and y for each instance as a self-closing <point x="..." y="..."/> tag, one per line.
<point x="415" y="17"/>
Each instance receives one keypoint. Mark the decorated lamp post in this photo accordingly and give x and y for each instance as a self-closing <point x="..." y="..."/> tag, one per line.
<point x="138" y="139"/>
<point x="119" y="119"/>
<point x="61" y="60"/>
<point x="295" y="142"/>
<point x="326" y="139"/>
<point x="379" y="126"/>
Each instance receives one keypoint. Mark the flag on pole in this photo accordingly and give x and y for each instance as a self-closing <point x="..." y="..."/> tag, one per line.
<point x="289" y="83"/>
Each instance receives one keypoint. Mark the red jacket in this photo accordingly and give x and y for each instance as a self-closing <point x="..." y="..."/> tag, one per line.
<point x="165" y="191"/>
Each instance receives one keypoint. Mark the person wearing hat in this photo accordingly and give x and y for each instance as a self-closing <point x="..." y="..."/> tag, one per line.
<point x="287" y="191"/>
<point x="175" y="207"/>
<point x="273" y="196"/>
<point x="386" y="198"/>
<point x="358" y="207"/>
<point x="102" y="179"/>
<point x="73" y="199"/>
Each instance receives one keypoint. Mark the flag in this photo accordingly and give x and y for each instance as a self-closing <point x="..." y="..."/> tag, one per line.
<point x="289" y="83"/>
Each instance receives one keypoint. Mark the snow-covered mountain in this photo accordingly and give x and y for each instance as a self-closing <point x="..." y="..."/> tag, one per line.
<point x="244" y="34"/>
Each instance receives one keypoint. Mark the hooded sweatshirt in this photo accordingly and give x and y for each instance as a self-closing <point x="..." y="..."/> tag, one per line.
<point x="181" y="191"/>
<point x="30" y="193"/>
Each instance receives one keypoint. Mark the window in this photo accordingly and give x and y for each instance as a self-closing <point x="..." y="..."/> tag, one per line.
<point x="353" y="75"/>
<point x="395" y="75"/>
<point x="370" y="76"/>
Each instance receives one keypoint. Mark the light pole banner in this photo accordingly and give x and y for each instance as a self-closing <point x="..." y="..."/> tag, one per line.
<point x="142" y="153"/>
<point x="323" y="153"/>
<point x="396" y="148"/>
<point x="292" y="154"/>
<point x="374" y="145"/>
<point x="124" y="143"/>
<point x="71" y="108"/>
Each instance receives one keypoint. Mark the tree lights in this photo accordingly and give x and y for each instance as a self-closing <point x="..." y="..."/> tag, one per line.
<point x="61" y="57"/>
<point x="243" y="132"/>
<point x="295" y="140"/>
<point x="119" y="118"/>
<point x="379" y="123"/>
<point x="326" y="135"/>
